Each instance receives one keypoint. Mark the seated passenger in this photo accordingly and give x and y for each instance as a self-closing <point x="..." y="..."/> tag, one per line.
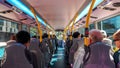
<point x="116" y="56"/>
<point x="12" y="40"/>
<point x="99" y="52"/>
<point x="105" y="39"/>
<point x="16" y="53"/>
<point x="108" y="42"/>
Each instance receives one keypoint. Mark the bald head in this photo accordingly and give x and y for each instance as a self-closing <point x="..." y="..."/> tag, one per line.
<point x="95" y="35"/>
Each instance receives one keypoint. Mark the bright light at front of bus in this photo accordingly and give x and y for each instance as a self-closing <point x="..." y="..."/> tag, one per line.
<point x="24" y="8"/>
<point x="2" y="49"/>
<point x="2" y="44"/>
<point x="85" y="11"/>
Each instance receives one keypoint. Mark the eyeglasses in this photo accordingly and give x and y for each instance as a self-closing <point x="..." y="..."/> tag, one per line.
<point x="116" y="40"/>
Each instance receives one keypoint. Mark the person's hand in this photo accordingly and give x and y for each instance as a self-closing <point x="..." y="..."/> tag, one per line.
<point x="71" y="65"/>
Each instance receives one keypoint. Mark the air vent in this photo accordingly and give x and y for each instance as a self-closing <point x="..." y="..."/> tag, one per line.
<point x="23" y="19"/>
<point x="77" y="25"/>
<point x="32" y="23"/>
<point x="83" y="22"/>
<point x="16" y="10"/>
<point x="80" y="24"/>
<point x="117" y="4"/>
<point x="7" y="11"/>
<point x="95" y="9"/>
<point x="93" y="17"/>
<point x="109" y="8"/>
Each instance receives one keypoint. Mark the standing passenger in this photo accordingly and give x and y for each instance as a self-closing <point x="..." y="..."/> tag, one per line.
<point x="116" y="56"/>
<point x="16" y="53"/>
<point x="45" y="48"/>
<point x="34" y="47"/>
<point x="74" y="47"/>
<point x="67" y="48"/>
<point x="99" y="52"/>
<point x="79" y="54"/>
<point x="55" y="42"/>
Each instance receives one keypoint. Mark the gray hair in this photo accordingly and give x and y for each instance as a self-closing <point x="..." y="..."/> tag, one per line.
<point x="103" y="33"/>
<point x="95" y="35"/>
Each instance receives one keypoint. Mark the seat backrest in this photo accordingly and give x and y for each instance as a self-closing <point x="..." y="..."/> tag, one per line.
<point x="34" y="58"/>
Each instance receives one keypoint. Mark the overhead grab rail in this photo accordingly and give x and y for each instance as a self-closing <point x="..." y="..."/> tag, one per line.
<point x="38" y="24"/>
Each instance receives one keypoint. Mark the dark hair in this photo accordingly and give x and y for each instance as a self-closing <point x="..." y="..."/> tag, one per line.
<point x="45" y="35"/>
<point x="82" y="35"/>
<point x="76" y="34"/>
<point x="23" y="37"/>
<point x="34" y="36"/>
<point x="12" y="37"/>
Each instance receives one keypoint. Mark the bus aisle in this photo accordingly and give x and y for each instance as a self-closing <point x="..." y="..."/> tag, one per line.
<point x="58" y="60"/>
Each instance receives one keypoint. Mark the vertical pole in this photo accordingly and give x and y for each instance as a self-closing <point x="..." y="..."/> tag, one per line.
<point x="101" y="25"/>
<point x="38" y="24"/>
<point x="48" y="34"/>
<point x="86" y="40"/>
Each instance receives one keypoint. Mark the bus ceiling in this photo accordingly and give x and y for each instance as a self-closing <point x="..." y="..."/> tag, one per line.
<point x="57" y="14"/>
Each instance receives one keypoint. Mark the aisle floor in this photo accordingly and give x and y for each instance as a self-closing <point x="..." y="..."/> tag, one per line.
<point x="58" y="60"/>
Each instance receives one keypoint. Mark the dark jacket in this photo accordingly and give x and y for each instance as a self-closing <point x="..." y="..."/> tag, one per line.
<point x="99" y="56"/>
<point x="16" y="57"/>
<point x="37" y="57"/>
<point x="116" y="57"/>
<point x="46" y="51"/>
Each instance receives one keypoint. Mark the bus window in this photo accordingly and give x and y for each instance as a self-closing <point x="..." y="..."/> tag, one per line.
<point x="14" y="27"/>
<point x="33" y="31"/>
<point x="24" y="27"/>
<point x="110" y="25"/>
<point x="92" y="26"/>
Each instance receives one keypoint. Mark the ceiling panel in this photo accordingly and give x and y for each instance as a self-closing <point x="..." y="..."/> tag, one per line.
<point x="10" y="15"/>
<point x="57" y="13"/>
<point x="14" y="15"/>
<point x="101" y="13"/>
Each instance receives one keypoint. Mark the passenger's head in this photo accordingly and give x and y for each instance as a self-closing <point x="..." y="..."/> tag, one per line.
<point x="116" y="38"/>
<point x="95" y="35"/>
<point x="104" y="33"/>
<point x="34" y="36"/>
<point x="69" y="36"/>
<point x="23" y="37"/>
<point x="54" y="36"/>
<point x="12" y="37"/>
<point x="82" y="35"/>
<point x="76" y="35"/>
<point x="45" y="35"/>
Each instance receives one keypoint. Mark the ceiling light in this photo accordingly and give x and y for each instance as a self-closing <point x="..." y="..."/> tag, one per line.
<point x="19" y="4"/>
<point x="85" y="11"/>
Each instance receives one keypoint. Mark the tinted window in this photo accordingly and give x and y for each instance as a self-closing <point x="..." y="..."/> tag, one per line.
<point x="110" y="25"/>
